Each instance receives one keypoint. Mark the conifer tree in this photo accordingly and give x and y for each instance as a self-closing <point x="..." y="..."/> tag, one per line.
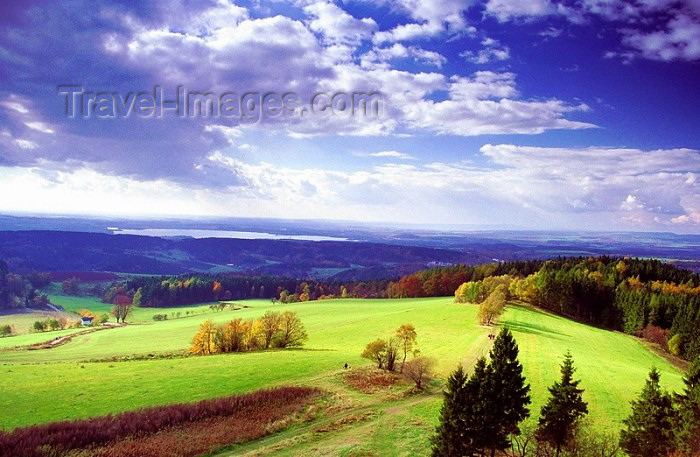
<point x="650" y="427"/>
<point x="688" y="426"/>
<point x="565" y="407"/>
<point x="509" y="394"/>
<point x="449" y="439"/>
<point x="479" y="409"/>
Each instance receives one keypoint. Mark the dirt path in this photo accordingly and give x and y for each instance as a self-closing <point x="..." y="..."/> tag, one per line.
<point x="58" y="341"/>
<point x="346" y="412"/>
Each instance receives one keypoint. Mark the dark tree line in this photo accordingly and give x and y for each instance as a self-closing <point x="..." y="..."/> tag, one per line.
<point x="164" y="291"/>
<point x="17" y="292"/>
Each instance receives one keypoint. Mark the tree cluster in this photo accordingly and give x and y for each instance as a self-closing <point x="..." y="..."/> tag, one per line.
<point x="443" y="281"/>
<point x="474" y="422"/>
<point x="51" y="323"/>
<point x="272" y="330"/>
<point x="480" y="413"/>
<point x="18" y="292"/>
<point x="123" y="307"/>
<point x="385" y="352"/>
<point x="388" y="353"/>
<point x="664" y="424"/>
<point x="491" y="308"/>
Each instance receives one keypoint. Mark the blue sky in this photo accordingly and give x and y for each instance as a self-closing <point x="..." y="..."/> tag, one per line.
<point x="540" y="114"/>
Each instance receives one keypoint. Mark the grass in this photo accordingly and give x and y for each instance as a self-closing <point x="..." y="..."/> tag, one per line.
<point x="55" y="384"/>
<point x="73" y="304"/>
<point x="23" y="323"/>
<point x="34" y="338"/>
<point x="612" y="366"/>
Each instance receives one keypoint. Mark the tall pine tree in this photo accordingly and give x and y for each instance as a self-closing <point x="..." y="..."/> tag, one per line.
<point x="479" y="413"/>
<point x="508" y="393"/>
<point x="650" y="427"/>
<point x="688" y="428"/>
<point x="565" y="407"/>
<point x="449" y="439"/>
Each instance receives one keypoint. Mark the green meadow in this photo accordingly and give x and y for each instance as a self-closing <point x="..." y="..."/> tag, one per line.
<point x="60" y="383"/>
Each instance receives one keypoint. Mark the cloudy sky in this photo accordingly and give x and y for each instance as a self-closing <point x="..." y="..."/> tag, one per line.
<point x="544" y="114"/>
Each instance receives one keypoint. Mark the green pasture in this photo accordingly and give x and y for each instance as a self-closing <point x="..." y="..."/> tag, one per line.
<point x="55" y="384"/>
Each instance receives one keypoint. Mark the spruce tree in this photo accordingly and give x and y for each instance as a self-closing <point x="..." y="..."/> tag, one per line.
<point x="565" y="407"/>
<point x="508" y="393"/>
<point x="449" y="439"/>
<point x="479" y="412"/>
<point x="688" y="426"/>
<point x="650" y="427"/>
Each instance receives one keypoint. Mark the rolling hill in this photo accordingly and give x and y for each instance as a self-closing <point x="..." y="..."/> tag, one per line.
<point x="60" y="383"/>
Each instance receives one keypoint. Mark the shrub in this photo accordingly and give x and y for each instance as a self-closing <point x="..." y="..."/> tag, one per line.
<point x="270" y="324"/>
<point x="392" y="353"/>
<point x="675" y="344"/>
<point x="231" y="337"/>
<point x="160" y="317"/>
<point x="585" y="442"/>
<point x="39" y="326"/>
<point x="53" y="324"/>
<point x="5" y="330"/>
<point x="655" y="335"/>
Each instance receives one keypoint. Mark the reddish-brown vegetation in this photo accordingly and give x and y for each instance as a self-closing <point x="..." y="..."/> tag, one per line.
<point x="371" y="380"/>
<point x="656" y="335"/>
<point x="181" y="429"/>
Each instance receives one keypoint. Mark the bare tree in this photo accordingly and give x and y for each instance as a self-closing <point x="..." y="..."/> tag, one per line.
<point x="419" y="370"/>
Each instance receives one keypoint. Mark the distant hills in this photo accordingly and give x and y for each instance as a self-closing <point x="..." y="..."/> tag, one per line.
<point x="75" y="244"/>
<point x="81" y="251"/>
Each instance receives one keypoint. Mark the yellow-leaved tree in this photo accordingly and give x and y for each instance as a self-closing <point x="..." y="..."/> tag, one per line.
<point x="203" y="341"/>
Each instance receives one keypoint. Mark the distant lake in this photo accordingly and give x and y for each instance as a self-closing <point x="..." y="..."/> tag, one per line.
<point x="201" y="233"/>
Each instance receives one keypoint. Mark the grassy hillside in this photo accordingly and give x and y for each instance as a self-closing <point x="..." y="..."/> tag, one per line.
<point x="613" y="366"/>
<point x="94" y="304"/>
<point x="23" y="323"/>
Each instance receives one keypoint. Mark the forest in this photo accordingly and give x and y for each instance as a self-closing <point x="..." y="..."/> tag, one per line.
<point x="643" y="297"/>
